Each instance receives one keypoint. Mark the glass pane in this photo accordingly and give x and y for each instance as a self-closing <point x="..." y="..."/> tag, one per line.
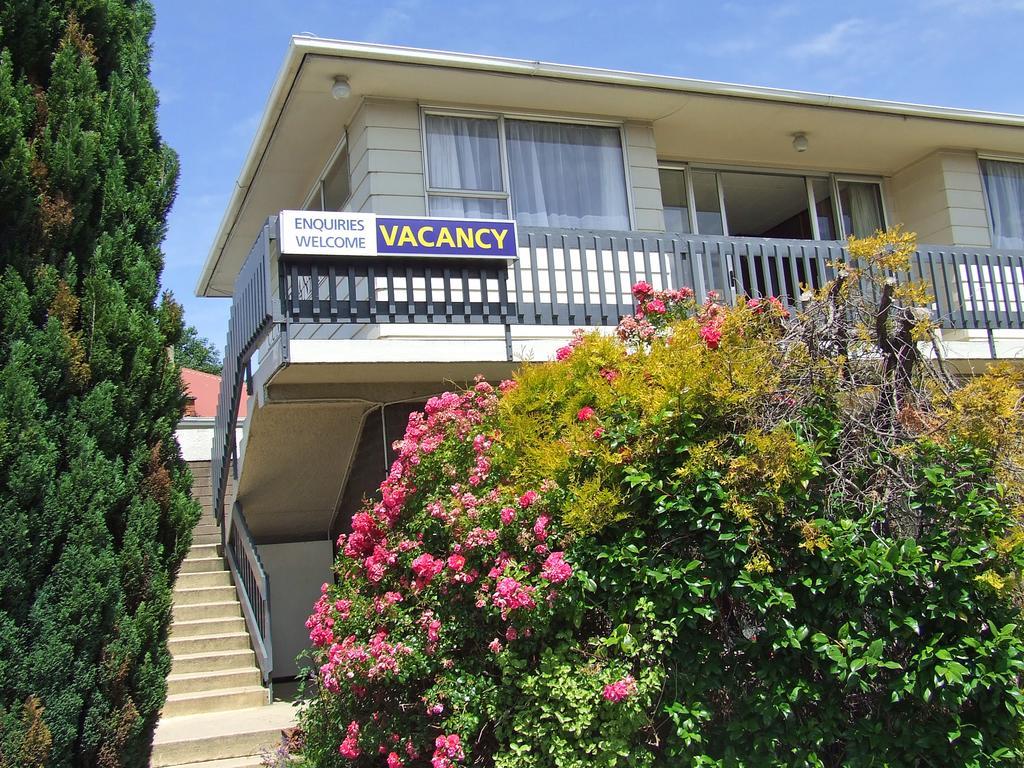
<point x="824" y="209"/>
<point x="861" y="204"/>
<point x="452" y="207"/>
<point x="674" y="201"/>
<point x="705" y="200"/>
<point x="462" y="153"/>
<point x="568" y="176"/>
<point x="766" y="205"/>
<point x="1004" y="190"/>
<point x="336" y="183"/>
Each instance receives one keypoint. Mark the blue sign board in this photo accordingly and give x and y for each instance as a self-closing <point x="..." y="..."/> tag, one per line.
<point x="445" y="237"/>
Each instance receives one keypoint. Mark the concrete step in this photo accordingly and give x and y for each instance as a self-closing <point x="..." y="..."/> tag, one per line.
<point x="202" y="564"/>
<point x="187" y="645"/>
<point x="229" y="609"/>
<point x="211" y="662"/>
<point x="203" y="579"/>
<point x="223" y="700"/>
<point x="205" y="538"/>
<point x="219" y="735"/>
<point x="202" y="595"/>
<point x="203" y="627"/>
<point x="206" y="528"/>
<point x="203" y="550"/>
<point x="210" y="682"/>
<point x="254" y="761"/>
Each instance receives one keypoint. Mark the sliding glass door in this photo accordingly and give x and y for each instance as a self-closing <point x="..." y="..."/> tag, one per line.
<point x="766" y="204"/>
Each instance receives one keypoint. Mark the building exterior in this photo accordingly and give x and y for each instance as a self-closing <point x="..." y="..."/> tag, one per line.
<point x="611" y="177"/>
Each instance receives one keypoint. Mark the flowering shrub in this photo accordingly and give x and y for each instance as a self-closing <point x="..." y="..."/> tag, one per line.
<point x="708" y="541"/>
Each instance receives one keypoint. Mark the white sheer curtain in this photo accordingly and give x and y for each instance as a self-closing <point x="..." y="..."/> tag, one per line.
<point x="568" y="176"/>
<point x="1004" y="187"/>
<point x="462" y="153"/>
<point x="862" y="208"/>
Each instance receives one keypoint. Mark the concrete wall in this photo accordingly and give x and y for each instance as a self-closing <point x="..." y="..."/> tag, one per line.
<point x="939" y="197"/>
<point x="296" y="571"/>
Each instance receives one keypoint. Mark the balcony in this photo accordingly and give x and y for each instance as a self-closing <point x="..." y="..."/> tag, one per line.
<point x="562" y="279"/>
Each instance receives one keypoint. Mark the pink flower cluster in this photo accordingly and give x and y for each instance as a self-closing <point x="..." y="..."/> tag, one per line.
<point x="620" y="689"/>
<point x="711" y="319"/>
<point x="654" y="309"/>
<point x="350" y="746"/>
<point x="771" y="306"/>
<point x="555" y="569"/>
<point x="447" y="751"/>
<point x="350" y="658"/>
<point x="510" y="595"/>
<point x="415" y="553"/>
<point x="564" y="353"/>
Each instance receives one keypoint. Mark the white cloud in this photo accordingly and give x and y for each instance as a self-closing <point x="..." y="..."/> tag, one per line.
<point x="838" y="40"/>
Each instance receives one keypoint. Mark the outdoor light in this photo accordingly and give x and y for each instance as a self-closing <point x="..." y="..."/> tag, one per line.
<point x="341" y="89"/>
<point x="800" y="142"/>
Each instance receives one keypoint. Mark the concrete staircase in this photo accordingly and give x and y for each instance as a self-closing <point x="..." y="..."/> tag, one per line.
<point x="217" y="713"/>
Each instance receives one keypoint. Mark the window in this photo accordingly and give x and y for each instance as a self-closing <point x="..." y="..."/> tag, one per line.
<point x="551" y="174"/>
<point x="766" y="204"/>
<point x="569" y="176"/>
<point x="675" y="201"/>
<point x="1004" y="191"/>
<point x="334" y="187"/>
<point x="336" y="183"/>
<point x="464" y="168"/>
<point x="861" y="206"/>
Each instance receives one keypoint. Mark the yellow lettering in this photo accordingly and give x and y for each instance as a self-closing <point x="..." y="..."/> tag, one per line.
<point x="407" y="237"/>
<point x="480" y="239"/>
<point x="388" y="233"/>
<point x="444" y="237"/>
<point x="464" y="237"/>
<point x="422" y="235"/>
<point x="500" y="235"/>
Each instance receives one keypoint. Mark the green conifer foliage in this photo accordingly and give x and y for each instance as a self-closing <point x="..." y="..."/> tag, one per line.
<point x="95" y="510"/>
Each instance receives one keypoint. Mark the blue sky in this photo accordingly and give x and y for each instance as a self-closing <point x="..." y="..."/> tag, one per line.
<point x="214" y="62"/>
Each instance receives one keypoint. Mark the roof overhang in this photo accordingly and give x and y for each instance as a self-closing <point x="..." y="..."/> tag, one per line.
<point x="694" y="120"/>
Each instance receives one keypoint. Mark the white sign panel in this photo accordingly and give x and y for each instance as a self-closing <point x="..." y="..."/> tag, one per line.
<point x="322" y="233"/>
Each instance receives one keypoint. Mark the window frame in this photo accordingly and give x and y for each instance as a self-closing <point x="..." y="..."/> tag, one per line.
<point x="833" y="180"/>
<point x="500" y="118"/>
<point x="316" y="194"/>
<point x="984" y="191"/>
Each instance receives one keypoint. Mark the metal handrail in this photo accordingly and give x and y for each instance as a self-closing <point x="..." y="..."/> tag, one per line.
<point x="252" y="584"/>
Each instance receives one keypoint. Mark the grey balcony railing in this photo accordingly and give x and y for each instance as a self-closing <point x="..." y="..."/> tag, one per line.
<point x="566" y="278"/>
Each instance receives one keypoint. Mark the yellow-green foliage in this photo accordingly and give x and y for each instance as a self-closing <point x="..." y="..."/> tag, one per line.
<point x="677" y="376"/>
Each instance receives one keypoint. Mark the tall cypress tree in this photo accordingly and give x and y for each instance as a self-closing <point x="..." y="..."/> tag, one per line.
<point x="95" y="510"/>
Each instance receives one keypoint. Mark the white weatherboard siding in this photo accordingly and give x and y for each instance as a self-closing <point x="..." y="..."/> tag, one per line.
<point x="386" y="158"/>
<point x="939" y="197"/>
<point x="642" y="158"/>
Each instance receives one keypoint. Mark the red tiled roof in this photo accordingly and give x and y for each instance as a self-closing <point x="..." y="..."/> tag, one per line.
<point x="205" y="388"/>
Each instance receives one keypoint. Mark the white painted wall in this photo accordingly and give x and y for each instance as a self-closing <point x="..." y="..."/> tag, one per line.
<point x="195" y="436"/>
<point x="296" y="571"/>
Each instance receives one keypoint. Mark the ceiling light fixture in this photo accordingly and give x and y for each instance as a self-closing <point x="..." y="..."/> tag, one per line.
<point x="341" y="89"/>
